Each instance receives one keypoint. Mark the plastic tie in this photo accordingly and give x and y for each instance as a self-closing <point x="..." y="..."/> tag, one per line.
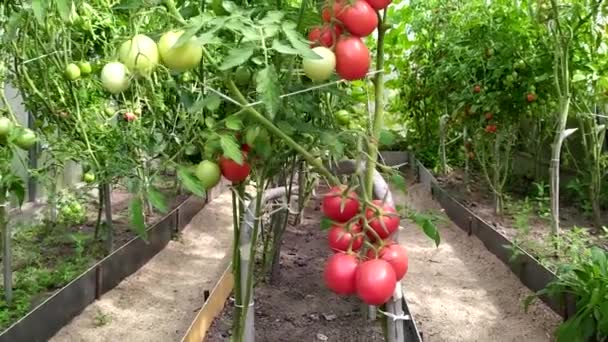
<point x="396" y="317"/>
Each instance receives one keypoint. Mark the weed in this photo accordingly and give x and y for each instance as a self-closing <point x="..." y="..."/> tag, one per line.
<point x="101" y="318"/>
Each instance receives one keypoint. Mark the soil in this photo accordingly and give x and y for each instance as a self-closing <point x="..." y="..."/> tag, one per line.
<point x="158" y="302"/>
<point x="459" y="291"/>
<point x="299" y="307"/>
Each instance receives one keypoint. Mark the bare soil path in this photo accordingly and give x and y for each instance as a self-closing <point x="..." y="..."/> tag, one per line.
<point x="462" y="292"/>
<point x="158" y="303"/>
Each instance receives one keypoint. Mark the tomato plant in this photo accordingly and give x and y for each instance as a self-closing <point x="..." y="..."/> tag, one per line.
<point x="341" y="238"/>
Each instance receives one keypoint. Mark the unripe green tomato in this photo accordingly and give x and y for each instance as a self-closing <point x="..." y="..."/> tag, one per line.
<point x="343" y="117"/>
<point x="26" y="139"/>
<point x="208" y="173"/>
<point x="6" y="126"/>
<point x="114" y="77"/>
<point x="242" y="76"/>
<point x="85" y="68"/>
<point x="72" y="72"/>
<point x="88" y="177"/>
<point x="320" y="69"/>
<point x="139" y="54"/>
<point x="179" y="58"/>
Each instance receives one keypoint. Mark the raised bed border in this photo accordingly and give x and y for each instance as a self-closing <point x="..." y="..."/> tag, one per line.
<point x="45" y="320"/>
<point x="528" y="269"/>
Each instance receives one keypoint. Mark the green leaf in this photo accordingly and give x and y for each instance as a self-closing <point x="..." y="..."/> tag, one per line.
<point x="398" y="181"/>
<point x="283" y="48"/>
<point x="157" y="199"/>
<point x="326" y="223"/>
<point x="297" y="41"/>
<point x="234" y="122"/>
<point x="212" y="102"/>
<point x="272" y="17"/>
<point x="39" y="7"/>
<point x="231" y="148"/>
<point x="190" y="182"/>
<point x="427" y="226"/>
<point x="267" y="86"/>
<point x="17" y="188"/>
<point x="237" y="56"/>
<point x="599" y="257"/>
<point x="578" y="77"/>
<point x="386" y="138"/>
<point x="286" y="127"/>
<point x="65" y="9"/>
<point x="192" y="29"/>
<point x="136" y="210"/>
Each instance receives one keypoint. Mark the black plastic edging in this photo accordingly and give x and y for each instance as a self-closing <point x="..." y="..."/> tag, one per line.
<point x="46" y="319"/>
<point x="410" y="329"/>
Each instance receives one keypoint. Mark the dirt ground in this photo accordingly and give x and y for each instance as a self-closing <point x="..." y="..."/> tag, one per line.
<point x="158" y="303"/>
<point x="460" y="291"/>
<point x="299" y="307"/>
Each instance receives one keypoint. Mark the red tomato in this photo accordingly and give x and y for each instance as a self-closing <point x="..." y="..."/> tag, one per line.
<point x="477" y="89"/>
<point x="324" y="36"/>
<point x="531" y="97"/>
<point x="130" y="116"/>
<point x="352" y="58"/>
<point x="314" y="35"/>
<point x="384" y="220"/>
<point x="234" y="172"/>
<point x="338" y="207"/>
<point x="395" y="255"/>
<point x="359" y="19"/>
<point x="340" y="272"/>
<point x="489" y="116"/>
<point x="379" y="4"/>
<point x="491" y="128"/>
<point x="375" y="281"/>
<point x="326" y="14"/>
<point x="340" y="238"/>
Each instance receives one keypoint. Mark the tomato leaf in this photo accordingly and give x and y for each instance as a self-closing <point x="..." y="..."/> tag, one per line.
<point x="157" y="199"/>
<point x="386" y="138"/>
<point x="231" y="148"/>
<point x="297" y="41"/>
<point x="234" y="122"/>
<point x="190" y="182"/>
<point x="39" y="7"/>
<point x="272" y="17"/>
<point x="283" y="48"/>
<point x="136" y="209"/>
<point x="267" y="87"/>
<point x="326" y="223"/>
<point x="16" y="187"/>
<point x="65" y="9"/>
<point x="427" y="226"/>
<point x="237" y="56"/>
<point x="286" y="127"/>
<point x="398" y="181"/>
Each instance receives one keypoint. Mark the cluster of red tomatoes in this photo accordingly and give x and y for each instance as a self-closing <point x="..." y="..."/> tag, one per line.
<point x="339" y="40"/>
<point x="372" y="275"/>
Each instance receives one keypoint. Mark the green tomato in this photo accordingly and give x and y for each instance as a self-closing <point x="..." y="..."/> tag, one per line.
<point x="26" y="139"/>
<point x="72" y="72"/>
<point x="320" y="69"/>
<point x="6" y="126"/>
<point x="179" y="58"/>
<point x="88" y="177"/>
<point x="85" y="68"/>
<point x="343" y="117"/>
<point x="109" y="110"/>
<point x="242" y="76"/>
<point x="139" y="54"/>
<point x="114" y="77"/>
<point x="208" y="173"/>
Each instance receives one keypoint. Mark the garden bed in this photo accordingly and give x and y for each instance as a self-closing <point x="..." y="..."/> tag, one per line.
<point x="299" y="307"/>
<point x="90" y="278"/>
